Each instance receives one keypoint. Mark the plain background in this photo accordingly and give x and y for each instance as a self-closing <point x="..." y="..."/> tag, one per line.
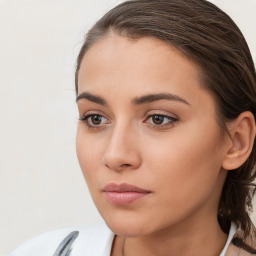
<point x="41" y="185"/>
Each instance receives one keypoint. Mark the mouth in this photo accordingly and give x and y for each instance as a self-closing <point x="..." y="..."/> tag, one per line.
<point x="123" y="194"/>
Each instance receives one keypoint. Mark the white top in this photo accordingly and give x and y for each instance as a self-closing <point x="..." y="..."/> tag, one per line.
<point x="94" y="241"/>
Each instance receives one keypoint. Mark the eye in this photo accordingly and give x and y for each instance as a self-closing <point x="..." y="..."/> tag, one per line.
<point x="156" y="119"/>
<point x="94" y="120"/>
<point x="160" y="120"/>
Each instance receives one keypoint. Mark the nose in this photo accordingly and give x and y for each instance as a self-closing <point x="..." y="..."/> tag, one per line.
<point x="122" y="151"/>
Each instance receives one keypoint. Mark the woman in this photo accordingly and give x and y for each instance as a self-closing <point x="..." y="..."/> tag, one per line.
<point x="166" y="93"/>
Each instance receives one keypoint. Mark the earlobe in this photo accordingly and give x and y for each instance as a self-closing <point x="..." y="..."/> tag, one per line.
<point x="242" y="131"/>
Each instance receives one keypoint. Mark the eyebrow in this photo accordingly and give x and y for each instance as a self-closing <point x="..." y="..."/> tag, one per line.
<point x="91" y="97"/>
<point x="136" y="101"/>
<point x="159" y="96"/>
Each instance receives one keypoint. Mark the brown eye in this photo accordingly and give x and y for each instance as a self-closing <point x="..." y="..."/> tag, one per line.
<point x="96" y="119"/>
<point x="161" y="121"/>
<point x="157" y="119"/>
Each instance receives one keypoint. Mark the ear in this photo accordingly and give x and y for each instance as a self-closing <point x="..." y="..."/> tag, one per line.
<point x="242" y="131"/>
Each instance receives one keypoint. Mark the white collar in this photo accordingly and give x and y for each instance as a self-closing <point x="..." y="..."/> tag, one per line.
<point x="232" y="231"/>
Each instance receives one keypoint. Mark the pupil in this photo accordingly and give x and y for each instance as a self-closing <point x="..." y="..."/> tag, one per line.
<point x="158" y="119"/>
<point x="96" y="119"/>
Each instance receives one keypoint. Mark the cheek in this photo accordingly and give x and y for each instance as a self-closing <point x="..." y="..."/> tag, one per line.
<point x="88" y="153"/>
<point x="186" y="161"/>
<point x="184" y="175"/>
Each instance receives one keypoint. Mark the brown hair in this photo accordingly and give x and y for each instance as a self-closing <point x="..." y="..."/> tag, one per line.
<point x="210" y="38"/>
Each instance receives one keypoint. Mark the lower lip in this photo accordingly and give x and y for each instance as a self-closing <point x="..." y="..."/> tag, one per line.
<point x="123" y="198"/>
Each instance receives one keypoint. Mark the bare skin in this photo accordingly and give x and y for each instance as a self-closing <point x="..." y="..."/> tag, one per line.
<point x="172" y="147"/>
<point x="160" y="246"/>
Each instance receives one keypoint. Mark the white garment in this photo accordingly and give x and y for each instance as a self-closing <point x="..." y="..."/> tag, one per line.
<point x="232" y="231"/>
<point x="94" y="241"/>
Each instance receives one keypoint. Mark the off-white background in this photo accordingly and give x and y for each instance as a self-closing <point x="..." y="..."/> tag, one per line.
<point x="41" y="186"/>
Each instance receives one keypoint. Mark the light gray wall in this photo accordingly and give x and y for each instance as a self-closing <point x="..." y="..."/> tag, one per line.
<point x="41" y="186"/>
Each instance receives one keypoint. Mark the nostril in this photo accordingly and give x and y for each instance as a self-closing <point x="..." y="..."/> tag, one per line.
<point x="118" y="167"/>
<point x="126" y="165"/>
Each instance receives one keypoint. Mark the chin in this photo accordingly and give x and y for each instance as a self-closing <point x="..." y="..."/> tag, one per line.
<point x="130" y="226"/>
<point x="125" y="229"/>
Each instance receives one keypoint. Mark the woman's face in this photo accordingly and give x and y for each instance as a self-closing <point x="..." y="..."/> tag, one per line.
<point x="147" y="122"/>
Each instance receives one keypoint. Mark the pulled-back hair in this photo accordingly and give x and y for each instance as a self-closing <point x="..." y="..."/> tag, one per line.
<point x="210" y="38"/>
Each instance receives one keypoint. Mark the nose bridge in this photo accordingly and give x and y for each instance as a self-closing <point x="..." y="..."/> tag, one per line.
<point x="122" y="151"/>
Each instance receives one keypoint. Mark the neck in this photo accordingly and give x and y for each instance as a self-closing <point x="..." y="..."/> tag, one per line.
<point x="199" y="239"/>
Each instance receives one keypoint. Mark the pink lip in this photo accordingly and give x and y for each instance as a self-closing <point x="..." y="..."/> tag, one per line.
<point x="123" y="194"/>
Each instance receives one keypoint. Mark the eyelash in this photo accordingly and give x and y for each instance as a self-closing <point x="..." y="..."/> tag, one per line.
<point x="85" y="120"/>
<point x="170" y="123"/>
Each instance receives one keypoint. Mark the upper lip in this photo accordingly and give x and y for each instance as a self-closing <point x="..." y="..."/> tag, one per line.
<point x="123" y="187"/>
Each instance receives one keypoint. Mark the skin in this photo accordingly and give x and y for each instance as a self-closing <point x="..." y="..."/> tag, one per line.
<point x="179" y="162"/>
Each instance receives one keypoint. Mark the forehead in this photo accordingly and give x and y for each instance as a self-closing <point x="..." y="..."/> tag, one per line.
<point x="113" y="49"/>
<point x="146" y="65"/>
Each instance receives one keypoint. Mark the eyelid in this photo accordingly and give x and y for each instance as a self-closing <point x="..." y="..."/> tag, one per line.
<point x="87" y="116"/>
<point x="93" y="112"/>
<point x="172" y="120"/>
<point x="84" y="118"/>
<point x="161" y="113"/>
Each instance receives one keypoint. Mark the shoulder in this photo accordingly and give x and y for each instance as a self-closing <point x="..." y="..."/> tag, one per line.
<point x="95" y="240"/>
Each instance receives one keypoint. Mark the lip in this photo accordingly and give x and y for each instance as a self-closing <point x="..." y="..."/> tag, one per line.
<point x="123" y="194"/>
